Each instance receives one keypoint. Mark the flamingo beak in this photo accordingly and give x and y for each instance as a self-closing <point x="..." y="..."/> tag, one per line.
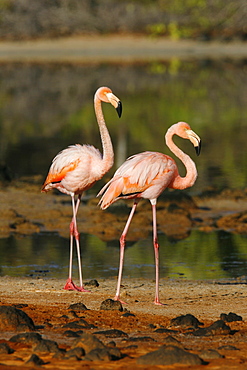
<point x="115" y="102"/>
<point x="198" y="147"/>
<point x="196" y="141"/>
<point x="119" y="109"/>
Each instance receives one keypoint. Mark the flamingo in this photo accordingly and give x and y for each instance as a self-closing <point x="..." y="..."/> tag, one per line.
<point x="76" y="169"/>
<point x="146" y="175"/>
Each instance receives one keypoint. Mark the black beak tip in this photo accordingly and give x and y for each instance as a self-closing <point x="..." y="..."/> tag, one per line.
<point x="119" y="109"/>
<point x="198" y="148"/>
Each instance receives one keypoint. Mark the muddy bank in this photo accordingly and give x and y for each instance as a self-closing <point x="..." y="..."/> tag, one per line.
<point x="24" y="211"/>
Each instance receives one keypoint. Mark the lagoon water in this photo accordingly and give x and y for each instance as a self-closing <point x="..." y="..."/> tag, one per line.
<point x="46" y="107"/>
<point x="216" y="255"/>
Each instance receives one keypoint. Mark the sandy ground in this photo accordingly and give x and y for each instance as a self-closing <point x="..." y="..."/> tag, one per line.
<point x="205" y="300"/>
<point x="47" y="304"/>
<point x="120" y="48"/>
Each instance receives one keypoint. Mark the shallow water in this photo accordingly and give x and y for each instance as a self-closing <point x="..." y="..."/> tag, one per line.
<point x="216" y="255"/>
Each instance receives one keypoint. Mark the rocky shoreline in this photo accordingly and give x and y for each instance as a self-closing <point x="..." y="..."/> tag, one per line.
<point x="201" y="324"/>
<point x="178" y="213"/>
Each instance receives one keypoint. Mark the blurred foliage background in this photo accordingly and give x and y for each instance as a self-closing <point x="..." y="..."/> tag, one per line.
<point x="201" y="19"/>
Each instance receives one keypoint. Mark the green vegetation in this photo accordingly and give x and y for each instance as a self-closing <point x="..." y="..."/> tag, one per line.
<point x="204" y="19"/>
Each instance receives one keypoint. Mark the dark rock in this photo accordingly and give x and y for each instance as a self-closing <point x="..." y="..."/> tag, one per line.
<point x="79" y="324"/>
<point x="13" y="319"/>
<point x="27" y="338"/>
<point x="47" y="346"/>
<point x="5" y="349"/>
<point x="88" y="342"/>
<point x="112" y="333"/>
<point x="114" y="353"/>
<point x="35" y="360"/>
<point x="229" y="348"/>
<point x="98" y="354"/>
<point x="141" y="339"/>
<point x="92" y="282"/>
<point x="77" y="353"/>
<point x="128" y="314"/>
<point x="164" y="330"/>
<point x="71" y="315"/>
<point x="217" y="328"/>
<point x="78" y="307"/>
<point x="186" y="321"/>
<point x="168" y="356"/>
<point x="71" y="333"/>
<point x="230" y="317"/>
<point x="103" y="354"/>
<point x="110" y="304"/>
<point x="210" y="354"/>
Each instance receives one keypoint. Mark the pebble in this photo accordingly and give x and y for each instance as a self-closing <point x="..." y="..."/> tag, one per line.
<point x="27" y="338"/>
<point x="210" y="354"/>
<point x="13" y="319"/>
<point x="110" y="304"/>
<point x="112" y="333"/>
<point x="47" y="346"/>
<point x="35" y="360"/>
<point x="187" y="320"/>
<point x="78" y="307"/>
<point x="217" y="328"/>
<point x="230" y="317"/>
<point x="92" y="282"/>
<point x="169" y="355"/>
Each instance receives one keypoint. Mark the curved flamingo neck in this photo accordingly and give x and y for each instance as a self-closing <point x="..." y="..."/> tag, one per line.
<point x="191" y="171"/>
<point x="108" y="154"/>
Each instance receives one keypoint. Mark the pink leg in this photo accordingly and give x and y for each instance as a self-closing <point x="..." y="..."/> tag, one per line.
<point x="156" y="253"/>
<point x="74" y="234"/>
<point x="122" y="247"/>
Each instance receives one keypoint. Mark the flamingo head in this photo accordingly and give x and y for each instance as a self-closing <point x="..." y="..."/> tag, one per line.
<point x="184" y="131"/>
<point x="106" y="95"/>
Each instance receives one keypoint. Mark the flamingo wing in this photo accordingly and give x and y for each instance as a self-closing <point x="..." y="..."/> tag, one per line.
<point x="65" y="161"/>
<point x="143" y="175"/>
<point x="56" y="177"/>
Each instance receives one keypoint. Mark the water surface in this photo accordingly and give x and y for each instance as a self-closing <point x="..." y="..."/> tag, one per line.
<point x="215" y="255"/>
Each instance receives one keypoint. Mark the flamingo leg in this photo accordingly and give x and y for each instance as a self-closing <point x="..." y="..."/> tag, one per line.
<point x="156" y="253"/>
<point x="122" y="248"/>
<point x="74" y="234"/>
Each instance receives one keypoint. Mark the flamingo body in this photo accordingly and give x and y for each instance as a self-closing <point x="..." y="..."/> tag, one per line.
<point x="146" y="175"/>
<point x="76" y="169"/>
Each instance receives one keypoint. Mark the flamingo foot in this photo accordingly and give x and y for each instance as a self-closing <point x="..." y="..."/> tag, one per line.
<point x="71" y="286"/>
<point x="158" y="303"/>
<point x="117" y="298"/>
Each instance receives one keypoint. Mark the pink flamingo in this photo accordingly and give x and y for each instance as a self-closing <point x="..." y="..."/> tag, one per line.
<point x="146" y="175"/>
<point x="76" y="168"/>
